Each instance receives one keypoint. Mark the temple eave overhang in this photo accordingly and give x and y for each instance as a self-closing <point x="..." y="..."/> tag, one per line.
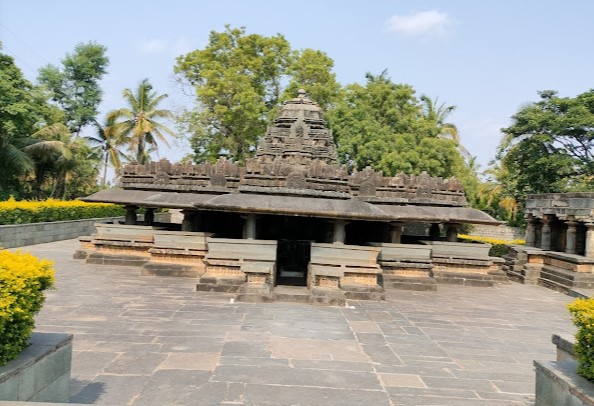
<point x="146" y="198"/>
<point x="301" y="206"/>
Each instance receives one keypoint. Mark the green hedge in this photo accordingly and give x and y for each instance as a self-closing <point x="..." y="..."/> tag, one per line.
<point x="23" y="278"/>
<point x="21" y="212"/>
<point x="582" y="313"/>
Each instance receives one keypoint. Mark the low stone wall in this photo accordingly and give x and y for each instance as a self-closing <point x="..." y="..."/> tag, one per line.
<point x="557" y="382"/>
<point x="19" y="235"/>
<point x="501" y="232"/>
<point x="41" y="373"/>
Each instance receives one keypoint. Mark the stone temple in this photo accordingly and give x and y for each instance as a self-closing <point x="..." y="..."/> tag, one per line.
<point x="293" y="224"/>
<point x="559" y="251"/>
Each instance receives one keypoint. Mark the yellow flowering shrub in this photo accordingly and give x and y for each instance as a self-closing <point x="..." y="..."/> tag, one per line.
<point x="20" y="212"/>
<point x="582" y="315"/>
<point x="499" y="247"/>
<point x="23" y="278"/>
<point x="490" y="240"/>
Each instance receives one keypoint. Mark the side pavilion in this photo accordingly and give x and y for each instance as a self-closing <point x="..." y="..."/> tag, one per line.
<point x="293" y="216"/>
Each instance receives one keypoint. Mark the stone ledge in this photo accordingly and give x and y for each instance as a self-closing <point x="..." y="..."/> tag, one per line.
<point x="41" y="373"/>
<point x="564" y="344"/>
<point x="557" y="384"/>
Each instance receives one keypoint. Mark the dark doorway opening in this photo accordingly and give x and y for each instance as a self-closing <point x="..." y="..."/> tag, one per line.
<point x="292" y="259"/>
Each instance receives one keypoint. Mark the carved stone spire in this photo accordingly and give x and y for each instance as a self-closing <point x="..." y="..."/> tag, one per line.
<point x="299" y="133"/>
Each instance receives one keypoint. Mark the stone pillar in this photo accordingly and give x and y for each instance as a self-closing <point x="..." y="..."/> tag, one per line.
<point x="545" y="238"/>
<point x="249" y="226"/>
<point x="570" y="237"/>
<point x="590" y="240"/>
<point x="149" y="217"/>
<point x="339" y="235"/>
<point x="131" y="215"/>
<point x="395" y="232"/>
<point x="188" y="221"/>
<point x="452" y="232"/>
<point x="530" y="231"/>
<point x="434" y="232"/>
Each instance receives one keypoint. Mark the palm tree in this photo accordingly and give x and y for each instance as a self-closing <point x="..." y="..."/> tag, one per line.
<point x="14" y="161"/>
<point x="493" y="196"/>
<point x="438" y="114"/>
<point x="52" y="154"/>
<point x="108" y="140"/>
<point x="140" y="127"/>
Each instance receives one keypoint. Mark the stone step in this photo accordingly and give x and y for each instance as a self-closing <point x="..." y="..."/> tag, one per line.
<point x="168" y="269"/>
<point x="553" y="275"/>
<point x="465" y="278"/>
<point x="291" y="294"/>
<point x="410" y="283"/>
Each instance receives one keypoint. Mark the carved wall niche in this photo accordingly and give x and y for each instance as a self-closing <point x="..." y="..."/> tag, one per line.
<point x="296" y="180"/>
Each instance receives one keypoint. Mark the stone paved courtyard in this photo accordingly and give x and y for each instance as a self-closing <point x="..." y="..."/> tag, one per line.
<point x="155" y="341"/>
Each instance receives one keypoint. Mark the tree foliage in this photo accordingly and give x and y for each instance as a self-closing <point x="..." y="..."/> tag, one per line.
<point x="39" y="154"/>
<point x="382" y="124"/>
<point x="238" y="79"/>
<point x="108" y="141"/>
<point x="311" y="70"/>
<point x="75" y="86"/>
<point x="550" y="145"/>
<point x="23" y="108"/>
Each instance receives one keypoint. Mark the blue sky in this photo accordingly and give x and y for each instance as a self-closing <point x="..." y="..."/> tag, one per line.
<point x="488" y="58"/>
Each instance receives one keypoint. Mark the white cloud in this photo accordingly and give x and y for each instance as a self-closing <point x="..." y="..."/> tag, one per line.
<point x="159" y="46"/>
<point x="181" y="46"/>
<point x="425" y="24"/>
<point x="154" y="46"/>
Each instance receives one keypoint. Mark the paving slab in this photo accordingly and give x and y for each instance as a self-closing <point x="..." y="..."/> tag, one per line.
<point x="146" y="340"/>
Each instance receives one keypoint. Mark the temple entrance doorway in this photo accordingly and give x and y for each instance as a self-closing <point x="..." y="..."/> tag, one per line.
<point x="292" y="258"/>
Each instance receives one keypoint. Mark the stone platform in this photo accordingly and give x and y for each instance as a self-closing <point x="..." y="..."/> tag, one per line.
<point x="145" y="340"/>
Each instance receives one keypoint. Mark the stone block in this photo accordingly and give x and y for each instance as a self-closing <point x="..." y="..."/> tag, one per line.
<point x="557" y="384"/>
<point x="327" y="296"/>
<point x="458" y="249"/>
<point x="363" y="292"/>
<point x="42" y="371"/>
<point x="168" y="269"/>
<point x="322" y="270"/>
<point x="340" y="254"/>
<point x="565" y="347"/>
<point x="291" y="294"/>
<point x="180" y="240"/>
<point x="254" y="293"/>
<point x="240" y="250"/>
<point x="403" y="252"/>
<point x="410" y="283"/>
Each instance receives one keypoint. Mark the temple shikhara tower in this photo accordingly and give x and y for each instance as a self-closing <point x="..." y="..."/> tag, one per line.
<point x="293" y="224"/>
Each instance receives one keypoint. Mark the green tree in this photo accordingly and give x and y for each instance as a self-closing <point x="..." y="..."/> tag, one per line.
<point x="109" y="141"/>
<point x="65" y="166"/>
<point x="494" y="195"/>
<point x="23" y="107"/>
<point x="238" y="78"/>
<point x="75" y="87"/>
<point x="550" y="145"/>
<point x="140" y="125"/>
<point x="311" y="70"/>
<point x="438" y="114"/>
<point x="381" y="124"/>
